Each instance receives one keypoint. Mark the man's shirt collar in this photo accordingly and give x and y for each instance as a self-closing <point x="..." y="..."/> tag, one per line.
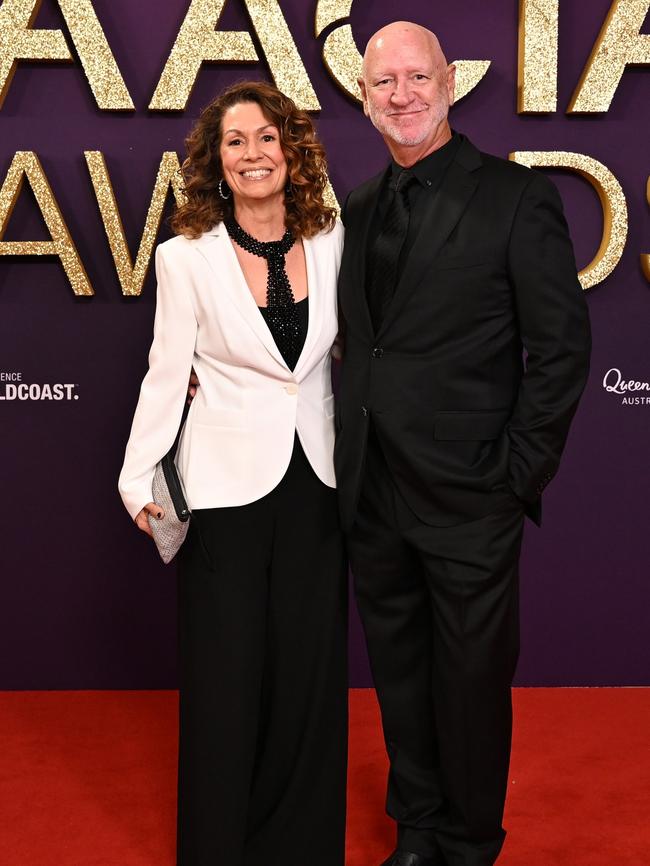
<point x="430" y="170"/>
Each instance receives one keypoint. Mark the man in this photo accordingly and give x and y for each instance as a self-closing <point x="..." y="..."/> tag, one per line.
<point x="454" y="263"/>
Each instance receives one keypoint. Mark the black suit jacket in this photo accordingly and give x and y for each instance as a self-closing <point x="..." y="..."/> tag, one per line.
<point x="463" y="422"/>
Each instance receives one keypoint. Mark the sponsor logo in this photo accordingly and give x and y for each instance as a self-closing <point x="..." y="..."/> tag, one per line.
<point x="12" y="388"/>
<point x="628" y="389"/>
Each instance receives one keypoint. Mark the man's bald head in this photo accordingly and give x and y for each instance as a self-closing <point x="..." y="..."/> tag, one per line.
<point x="392" y="34"/>
<point x="407" y="88"/>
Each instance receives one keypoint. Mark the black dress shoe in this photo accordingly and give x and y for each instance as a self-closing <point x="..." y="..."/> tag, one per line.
<point x="407" y="858"/>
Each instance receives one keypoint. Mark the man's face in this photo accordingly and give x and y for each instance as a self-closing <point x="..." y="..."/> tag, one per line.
<point x="407" y="88"/>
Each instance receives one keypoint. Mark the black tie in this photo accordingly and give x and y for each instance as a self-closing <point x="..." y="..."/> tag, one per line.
<point x="386" y="249"/>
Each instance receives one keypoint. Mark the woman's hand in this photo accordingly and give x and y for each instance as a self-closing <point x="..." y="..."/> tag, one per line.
<point x="141" y="517"/>
<point x="192" y="386"/>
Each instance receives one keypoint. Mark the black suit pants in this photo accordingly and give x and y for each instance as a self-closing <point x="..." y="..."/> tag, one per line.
<point x="439" y="606"/>
<point x="263" y="680"/>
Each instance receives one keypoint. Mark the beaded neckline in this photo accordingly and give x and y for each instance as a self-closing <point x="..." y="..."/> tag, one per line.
<point x="283" y="319"/>
<point x="264" y="249"/>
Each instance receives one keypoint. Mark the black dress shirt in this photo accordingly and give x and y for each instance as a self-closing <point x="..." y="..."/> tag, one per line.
<point x="428" y="173"/>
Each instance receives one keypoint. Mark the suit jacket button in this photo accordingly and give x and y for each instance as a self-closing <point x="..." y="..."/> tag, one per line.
<point x="291" y="388"/>
<point x="364" y="411"/>
<point x="377" y="352"/>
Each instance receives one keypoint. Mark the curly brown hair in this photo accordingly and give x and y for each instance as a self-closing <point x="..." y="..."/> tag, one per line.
<point x="306" y="212"/>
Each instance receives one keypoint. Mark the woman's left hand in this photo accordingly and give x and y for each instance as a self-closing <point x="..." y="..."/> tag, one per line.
<point x="141" y="518"/>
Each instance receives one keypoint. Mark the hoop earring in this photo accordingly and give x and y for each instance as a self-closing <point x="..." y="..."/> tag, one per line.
<point x="221" y="192"/>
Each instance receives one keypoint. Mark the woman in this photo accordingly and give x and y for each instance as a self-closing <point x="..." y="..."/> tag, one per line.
<point x="247" y="296"/>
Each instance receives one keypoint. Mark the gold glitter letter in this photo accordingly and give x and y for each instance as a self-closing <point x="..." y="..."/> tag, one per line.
<point x="619" y="43"/>
<point x="468" y="75"/>
<point x="612" y="199"/>
<point x="538" y="39"/>
<point x="131" y="278"/>
<point x="645" y="258"/>
<point x="340" y="52"/>
<point x="282" y="55"/>
<point x="26" y="164"/>
<point x="96" y="57"/>
<point x="343" y="60"/>
<point x="198" y="42"/>
<point x="18" y="41"/>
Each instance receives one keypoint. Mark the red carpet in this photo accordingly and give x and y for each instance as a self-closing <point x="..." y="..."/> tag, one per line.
<point x="87" y="779"/>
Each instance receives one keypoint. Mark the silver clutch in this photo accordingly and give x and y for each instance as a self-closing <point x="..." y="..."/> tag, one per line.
<point x="167" y="490"/>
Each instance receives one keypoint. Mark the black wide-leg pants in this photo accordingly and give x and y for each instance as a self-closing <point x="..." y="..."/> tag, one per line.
<point x="263" y="680"/>
<point x="439" y="606"/>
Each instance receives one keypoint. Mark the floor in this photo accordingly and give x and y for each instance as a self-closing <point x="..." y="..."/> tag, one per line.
<point x="87" y="779"/>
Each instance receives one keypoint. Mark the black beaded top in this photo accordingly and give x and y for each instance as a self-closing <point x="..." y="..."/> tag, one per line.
<point x="281" y="314"/>
<point x="302" y="308"/>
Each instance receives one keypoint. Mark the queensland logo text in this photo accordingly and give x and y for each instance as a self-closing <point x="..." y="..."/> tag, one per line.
<point x="628" y="389"/>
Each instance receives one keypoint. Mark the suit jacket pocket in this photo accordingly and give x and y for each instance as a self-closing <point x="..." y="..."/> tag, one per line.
<point x="470" y="426"/>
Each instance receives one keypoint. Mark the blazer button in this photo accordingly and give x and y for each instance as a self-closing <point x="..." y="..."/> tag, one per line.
<point x="364" y="411"/>
<point x="291" y="388"/>
<point x="377" y="352"/>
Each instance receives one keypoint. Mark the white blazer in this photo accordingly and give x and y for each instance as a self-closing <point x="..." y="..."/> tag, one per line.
<point x="238" y="438"/>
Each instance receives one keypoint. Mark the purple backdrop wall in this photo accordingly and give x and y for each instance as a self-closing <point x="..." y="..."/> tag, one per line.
<point x="85" y="603"/>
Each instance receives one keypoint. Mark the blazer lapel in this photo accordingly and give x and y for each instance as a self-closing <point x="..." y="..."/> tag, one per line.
<point x="448" y="206"/>
<point x="215" y="246"/>
<point x="315" y="302"/>
<point x="356" y="238"/>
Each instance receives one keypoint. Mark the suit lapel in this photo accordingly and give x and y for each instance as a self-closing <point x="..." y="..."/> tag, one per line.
<point x="358" y="240"/>
<point x="216" y="248"/>
<point x="448" y="206"/>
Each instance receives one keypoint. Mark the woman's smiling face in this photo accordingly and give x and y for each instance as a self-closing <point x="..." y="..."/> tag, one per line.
<point x="254" y="166"/>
